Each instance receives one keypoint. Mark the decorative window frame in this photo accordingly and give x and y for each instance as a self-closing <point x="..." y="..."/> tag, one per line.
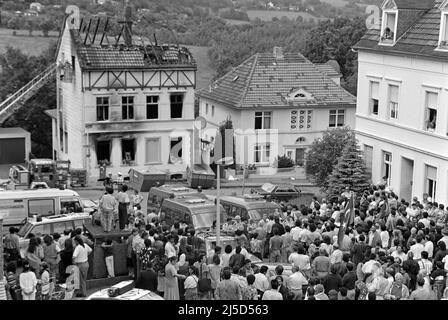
<point x="388" y="7"/>
<point x="306" y="95"/>
<point x="443" y="43"/>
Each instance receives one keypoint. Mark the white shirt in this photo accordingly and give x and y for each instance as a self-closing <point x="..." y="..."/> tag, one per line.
<point x="417" y="249"/>
<point x="61" y="241"/>
<point x="384" y="235"/>
<point x="243" y="252"/>
<point x="170" y="250"/>
<point x="225" y="258"/>
<point x="295" y="233"/>
<point x="445" y="261"/>
<point x="191" y="282"/>
<point x="429" y="247"/>
<point x="272" y="295"/>
<point x="425" y="222"/>
<point x="445" y="239"/>
<point x="296" y="281"/>
<point x="403" y="257"/>
<point x="80" y="255"/>
<point x="300" y="261"/>
<point x="28" y="282"/>
<point x="261" y="282"/>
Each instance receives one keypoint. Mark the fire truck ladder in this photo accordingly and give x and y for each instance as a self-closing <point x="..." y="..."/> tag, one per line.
<point x="13" y="103"/>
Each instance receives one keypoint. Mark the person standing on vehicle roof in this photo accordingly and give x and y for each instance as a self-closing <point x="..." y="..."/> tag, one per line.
<point x="123" y="207"/>
<point x="108" y="205"/>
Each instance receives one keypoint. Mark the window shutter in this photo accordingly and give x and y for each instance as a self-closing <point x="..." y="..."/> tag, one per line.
<point x="431" y="100"/>
<point x="393" y="93"/>
<point x="375" y="89"/>
<point x="431" y="173"/>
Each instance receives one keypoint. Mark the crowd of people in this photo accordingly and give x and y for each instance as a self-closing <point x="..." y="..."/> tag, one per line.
<point x="391" y="250"/>
<point x="53" y="259"/>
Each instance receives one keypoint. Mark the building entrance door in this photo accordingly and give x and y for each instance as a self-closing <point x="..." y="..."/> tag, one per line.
<point x="407" y="176"/>
<point x="300" y="157"/>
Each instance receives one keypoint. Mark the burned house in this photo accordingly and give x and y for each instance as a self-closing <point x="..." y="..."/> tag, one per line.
<point x="122" y="100"/>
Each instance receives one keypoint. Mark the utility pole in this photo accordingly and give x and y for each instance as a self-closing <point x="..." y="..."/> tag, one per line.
<point x="3" y="295"/>
<point x="218" y="204"/>
<point x="1" y="247"/>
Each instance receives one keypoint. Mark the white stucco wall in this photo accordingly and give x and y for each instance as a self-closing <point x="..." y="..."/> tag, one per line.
<point x="406" y="136"/>
<point x="281" y="137"/>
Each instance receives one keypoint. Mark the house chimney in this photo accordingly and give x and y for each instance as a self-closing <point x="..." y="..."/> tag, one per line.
<point x="128" y="24"/>
<point x="278" y="52"/>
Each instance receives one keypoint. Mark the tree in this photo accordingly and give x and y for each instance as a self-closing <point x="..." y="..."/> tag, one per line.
<point x="325" y="152"/>
<point x="334" y="40"/>
<point x="350" y="171"/>
<point x="17" y="69"/>
<point x="46" y="26"/>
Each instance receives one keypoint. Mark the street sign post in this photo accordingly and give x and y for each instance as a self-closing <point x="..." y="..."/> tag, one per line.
<point x="227" y="161"/>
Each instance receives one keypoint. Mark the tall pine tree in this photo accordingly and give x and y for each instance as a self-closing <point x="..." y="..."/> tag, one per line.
<point x="350" y="171"/>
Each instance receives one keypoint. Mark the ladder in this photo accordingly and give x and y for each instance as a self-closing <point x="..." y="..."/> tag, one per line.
<point x="16" y="100"/>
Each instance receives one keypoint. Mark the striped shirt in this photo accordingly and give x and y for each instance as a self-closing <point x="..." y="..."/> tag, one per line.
<point x="426" y="265"/>
<point x="3" y="289"/>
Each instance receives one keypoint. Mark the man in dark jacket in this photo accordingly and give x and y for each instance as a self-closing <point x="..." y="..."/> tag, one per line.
<point x="333" y="281"/>
<point x="411" y="267"/>
<point x="277" y="225"/>
<point x="147" y="279"/>
<point x="237" y="259"/>
<point x="358" y="250"/>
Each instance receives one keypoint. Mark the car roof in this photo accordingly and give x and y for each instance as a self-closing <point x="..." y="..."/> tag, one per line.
<point x="38" y="193"/>
<point x="133" y="294"/>
<point x="272" y="265"/>
<point x="42" y="161"/>
<point x="61" y="218"/>
<point x="250" y="203"/>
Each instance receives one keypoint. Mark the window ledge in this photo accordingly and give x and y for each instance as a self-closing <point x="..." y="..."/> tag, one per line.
<point x="262" y="164"/>
<point x="153" y="163"/>
<point x="387" y="43"/>
<point x="108" y="166"/>
<point x="133" y="164"/>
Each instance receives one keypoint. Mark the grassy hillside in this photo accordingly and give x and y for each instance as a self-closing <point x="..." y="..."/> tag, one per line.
<point x="33" y="46"/>
<point x="267" y="15"/>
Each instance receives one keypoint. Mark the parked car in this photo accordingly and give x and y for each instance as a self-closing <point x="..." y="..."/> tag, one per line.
<point x="209" y="239"/>
<point x="124" y="291"/>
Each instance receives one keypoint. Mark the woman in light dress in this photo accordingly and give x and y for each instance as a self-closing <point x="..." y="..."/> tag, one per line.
<point x="171" y="283"/>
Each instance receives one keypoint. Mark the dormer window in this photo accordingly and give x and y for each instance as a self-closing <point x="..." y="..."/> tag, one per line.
<point x="389" y="28"/>
<point x="299" y="95"/>
<point x="443" y="34"/>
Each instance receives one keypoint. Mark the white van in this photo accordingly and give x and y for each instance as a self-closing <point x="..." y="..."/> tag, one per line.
<point x="22" y="204"/>
<point x="49" y="225"/>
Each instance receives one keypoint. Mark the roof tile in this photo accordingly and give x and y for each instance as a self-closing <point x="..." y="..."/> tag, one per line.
<point x="265" y="81"/>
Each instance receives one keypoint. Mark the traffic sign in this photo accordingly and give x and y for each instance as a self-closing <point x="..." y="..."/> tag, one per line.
<point x="226" y="161"/>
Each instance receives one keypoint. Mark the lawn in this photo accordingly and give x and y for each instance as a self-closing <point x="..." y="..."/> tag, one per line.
<point x="336" y="3"/>
<point x="236" y="22"/>
<point x="267" y="15"/>
<point x="34" y="45"/>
